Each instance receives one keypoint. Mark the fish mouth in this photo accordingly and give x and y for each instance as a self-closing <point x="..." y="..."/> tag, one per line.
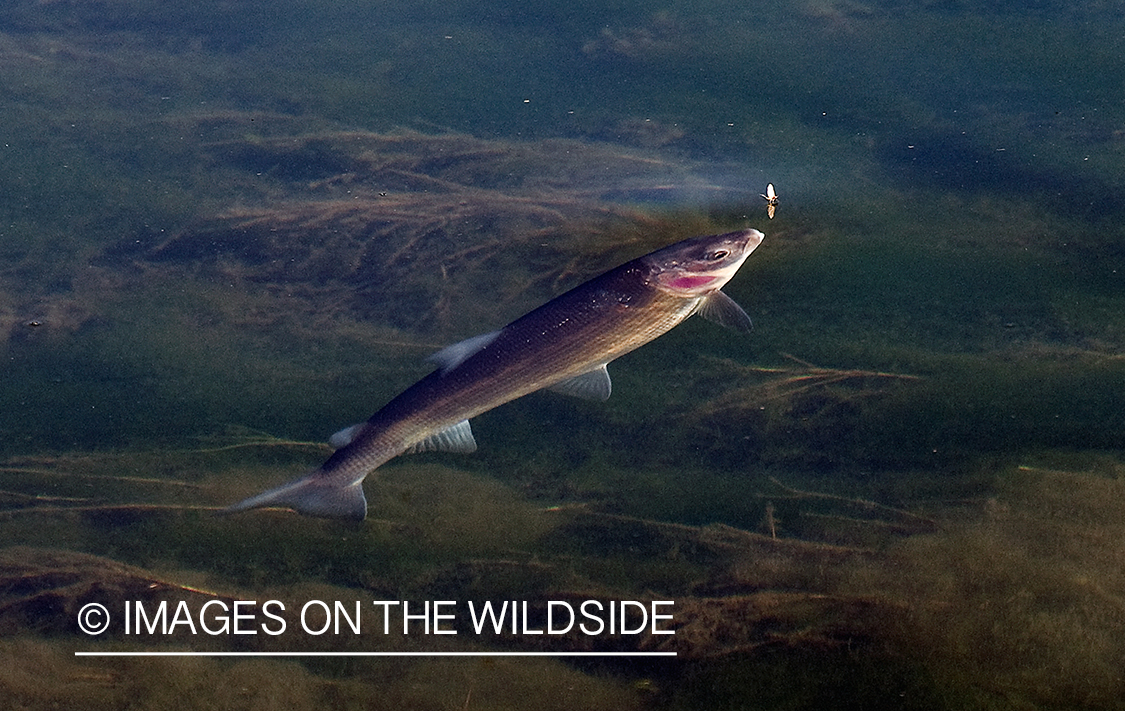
<point x="696" y="277"/>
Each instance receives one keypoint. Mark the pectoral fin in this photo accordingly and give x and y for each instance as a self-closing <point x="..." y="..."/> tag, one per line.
<point x="722" y="309"/>
<point x="591" y="385"/>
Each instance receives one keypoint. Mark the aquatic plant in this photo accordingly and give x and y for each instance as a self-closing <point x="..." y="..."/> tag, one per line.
<point x="911" y="587"/>
<point x="399" y="215"/>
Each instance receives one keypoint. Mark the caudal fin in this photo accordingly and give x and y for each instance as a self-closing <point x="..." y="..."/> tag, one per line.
<point x="311" y="495"/>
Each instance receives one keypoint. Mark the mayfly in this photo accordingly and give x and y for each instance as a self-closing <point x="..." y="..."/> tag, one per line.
<point x="771" y="200"/>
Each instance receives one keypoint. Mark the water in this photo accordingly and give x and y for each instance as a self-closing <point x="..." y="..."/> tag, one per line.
<point x="229" y="230"/>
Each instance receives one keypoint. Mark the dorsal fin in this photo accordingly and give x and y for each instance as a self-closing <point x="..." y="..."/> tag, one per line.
<point x="452" y="356"/>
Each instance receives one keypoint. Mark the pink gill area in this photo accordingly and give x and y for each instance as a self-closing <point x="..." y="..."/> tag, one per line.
<point x="690" y="282"/>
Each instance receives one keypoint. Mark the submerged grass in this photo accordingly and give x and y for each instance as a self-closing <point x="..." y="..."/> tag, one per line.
<point x="209" y="264"/>
<point x="569" y="500"/>
<point x="1009" y="596"/>
<point x="1027" y="604"/>
<point x="48" y="675"/>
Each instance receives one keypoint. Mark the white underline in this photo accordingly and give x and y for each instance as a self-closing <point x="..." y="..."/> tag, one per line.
<point x="375" y="654"/>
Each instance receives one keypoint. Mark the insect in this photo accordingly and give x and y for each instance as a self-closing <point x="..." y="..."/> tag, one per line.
<point x="771" y="200"/>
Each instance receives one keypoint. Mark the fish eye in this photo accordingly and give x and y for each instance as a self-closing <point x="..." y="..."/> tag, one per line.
<point x="718" y="254"/>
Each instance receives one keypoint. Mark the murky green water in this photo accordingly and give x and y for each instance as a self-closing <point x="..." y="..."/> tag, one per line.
<point x="228" y="230"/>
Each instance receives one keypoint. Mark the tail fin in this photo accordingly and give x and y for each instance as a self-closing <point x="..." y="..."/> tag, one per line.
<point x="312" y="495"/>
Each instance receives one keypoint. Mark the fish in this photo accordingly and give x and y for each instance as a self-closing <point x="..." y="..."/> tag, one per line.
<point x="563" y="346"/>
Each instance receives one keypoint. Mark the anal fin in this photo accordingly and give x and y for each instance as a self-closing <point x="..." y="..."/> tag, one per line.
<point x="455" y="438"/>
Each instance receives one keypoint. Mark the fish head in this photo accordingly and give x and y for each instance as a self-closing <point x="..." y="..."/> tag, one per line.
<point x="701" y="265"/>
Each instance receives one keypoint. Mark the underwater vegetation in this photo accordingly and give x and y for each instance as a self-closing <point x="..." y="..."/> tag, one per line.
<point x="397" y="244"/>
<point x="944" y="560"/>
<point x="1009" y="596"/>
<point x="408" y="214"/>
<point x="228" y="229"/>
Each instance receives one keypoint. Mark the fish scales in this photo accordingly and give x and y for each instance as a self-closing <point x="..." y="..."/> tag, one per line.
<point x="573" y="336"/>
